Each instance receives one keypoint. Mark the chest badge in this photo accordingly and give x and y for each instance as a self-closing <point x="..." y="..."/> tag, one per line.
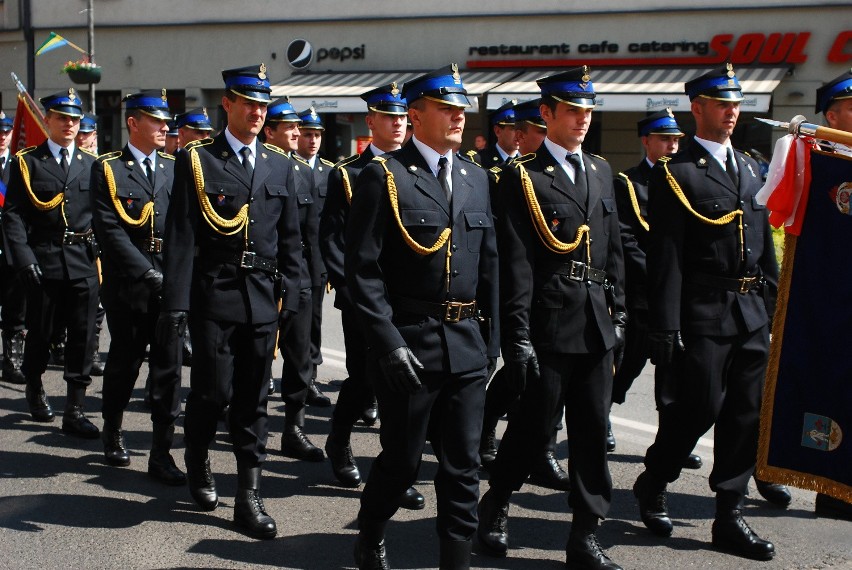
<point x="554" y="224"/>
<point x="129" y="204"/>
<point x="220" y="199"/>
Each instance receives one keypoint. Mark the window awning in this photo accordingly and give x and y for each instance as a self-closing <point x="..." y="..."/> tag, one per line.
<point x="340" y="92"/>
<point x="645" y="89"/>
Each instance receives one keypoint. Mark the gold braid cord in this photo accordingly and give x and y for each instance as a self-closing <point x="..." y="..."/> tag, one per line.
<point x="219" y="224"/>
<point x="347" y="187"/>
<point x="147" y="209"/>
<point x="634" y="201"/>
<point x="540" y="224"/>
<point x="42" y="206"/>
<point x="726" y="219"/>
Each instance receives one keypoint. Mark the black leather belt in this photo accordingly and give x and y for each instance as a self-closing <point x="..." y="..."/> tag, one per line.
<point x="71" y="238"/>
<point x="152" y="245"/>
<point x="579" y="271"/>
<point x="244" y="259"/>
<point x="736" y="284"/>
<point x="450" y="311"/>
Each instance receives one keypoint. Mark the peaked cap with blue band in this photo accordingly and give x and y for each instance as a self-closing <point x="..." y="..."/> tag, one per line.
<point x="443" y="85"/>
<point x="173" y="128"/>
<point x="281" y="111"/>
<point x="250" y="82"/>
<point x="719" y="84"/>
<point x="6" y="122"/>
<point x="386" y="99"/>
<point x="310" y="120"/>
<point x="89" y="123"/>
<point x="64" y="103"/>
<point x="660" y="123"/>
<point x="194" y="119"/>
<point x="530" y="112"/>
<point x="838" y="88"/>
<point x="573" y="87"/>
<point x="151" y="102"/>
<point x="504" y="115"/>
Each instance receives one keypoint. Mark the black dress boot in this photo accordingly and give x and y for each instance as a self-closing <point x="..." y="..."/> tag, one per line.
<point x="610" y="438"/>
<point x="40" y="409"/>
<point x="370" y="413"/>
<point x="161" y="465"/>
<point x="13" y="357"/>
<point x="493" y="529"/>
<point x="547" y="472"/>
<point x="202" y="486"/>
<point x="412" y="500"/>
<point x="338" y="447"/>
<point x="370" y="551"/>
<point x="455" y="554"/>
<point x="692" y="461"/>
<point x="488" y="447"/>
<point x="778" y="495"/>
<point x="732" y="534"/>
<point x="115" y="453"/>
<point x="294" y="443"/>
<point x="315" y="397"/>
<point x="249" y="512"/>
<point x="653" y="507"/>
<point x="74" y="422"/>
<point x="583" y="550"/>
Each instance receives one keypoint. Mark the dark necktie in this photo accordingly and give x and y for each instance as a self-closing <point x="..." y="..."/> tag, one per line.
<point x="149" y="170"/>
<point x="246" y="152"/>
<point x="731" y="169"/>
<point x="63" y="160"/>
<point x="579" y="174"/>
<point x="444" y="177"/>
<point x="2" y="162"/>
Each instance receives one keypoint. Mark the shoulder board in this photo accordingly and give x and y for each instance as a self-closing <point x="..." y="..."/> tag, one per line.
<point x="597" y="156"/>
<point x="496" y="169"/>
<point x="326" y="162"/>
<point x="664" y="159"/>
<point x="165" y="155"/>
<point x="25" y="150"/>
<point x="274" y="148"/>
<point x="347" y="160"/>
<point x="380" y="159"/>
<point x="200" y="142"/>
<point x="109" y="156"/>
<point x="87" y="151"/>
<point x="467" y="158"/>
<point x="522" y="159"/>
<point x="470" y="154"/>
<point x="298" y="158"/>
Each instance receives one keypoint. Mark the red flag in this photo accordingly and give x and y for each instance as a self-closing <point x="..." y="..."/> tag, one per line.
<point x="29" y="128"/>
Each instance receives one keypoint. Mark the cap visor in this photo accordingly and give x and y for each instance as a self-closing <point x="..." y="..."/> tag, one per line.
<point x="157" y="113"/>
<point x="582" y="103"/>
<point x="75" y="112"/>
<point x="733" y="96"/>
<point x="258" y="96"/>
<point x="454" y="99"/>
<point x="390" y="109"/>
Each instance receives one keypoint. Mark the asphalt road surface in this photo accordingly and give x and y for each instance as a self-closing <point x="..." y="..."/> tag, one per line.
<point x="62" y="507"/>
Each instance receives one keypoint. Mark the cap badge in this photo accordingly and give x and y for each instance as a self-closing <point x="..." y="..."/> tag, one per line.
<point x="164" y="95"/>
<point x="456" y="76"/>
<point x="394" y="90"/>
<point x="286" y="98"/>
<point x="204" y="110"/>
<point x="669" y="112"/>
<point x="314" y="114"/>
<point x="586" y="77"/>
<point x="730" y="69"/>
<point x="2" y="115"/>
<point x="262" y="74"/>
<point x="71" y="92"/>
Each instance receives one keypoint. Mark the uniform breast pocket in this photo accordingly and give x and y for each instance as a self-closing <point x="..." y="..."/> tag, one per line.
<point x="44" y="190"/>
<point x="275" y="195"/>
<point x="305" y="199"/>
<point x="223" y="196"/>
<point x="423" y="225"/>
<point x="476" y="223"/>
<point x="130" y="198"/>
<point x="609" y="209"/>
<point x="558" y="218"/>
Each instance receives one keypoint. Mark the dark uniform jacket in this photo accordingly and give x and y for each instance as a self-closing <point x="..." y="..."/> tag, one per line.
<point x="321" y="171"/>
<point x="683" y="250"/>
<point x="36" y="236"/>
<point x="380" y="267"/>
<point x="126" y="250"/>
<point x="4" y="178"/>
<point x="562" y="315"/>
<point x="311" y="265"/>
<point x="197" y="278"/>
<point x="634" y="236"/>
<point x="332" y="234"/>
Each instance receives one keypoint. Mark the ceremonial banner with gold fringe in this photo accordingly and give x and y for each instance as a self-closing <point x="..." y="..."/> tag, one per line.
<point x="806" y="420"/>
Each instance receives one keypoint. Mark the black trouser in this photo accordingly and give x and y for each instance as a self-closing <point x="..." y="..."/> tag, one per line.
<point x="317" y="296"/>
<point x="74" y="302"/>
<point x="130" y="333"/>
<point x="356" y="390"/>
<point x="294" y="341"/>
<point x="454" y="402"/>
<point x="718" y="380"/>
<point x="500" y="400"/>
<point x="230" y="360"/>
<point x="582" y="383"/>
<point x="635" y="355"/>
<point x="13" y="297"/>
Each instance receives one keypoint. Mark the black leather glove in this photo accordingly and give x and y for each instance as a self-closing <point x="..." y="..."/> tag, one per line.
<point x="153" y="279"/>
<point x="171" y="325"/>
<point x="521" y="362"/>
<point x="31" y="274"/>
<point x="491" y="368"/>
<point x="399" y="369"/>
<point x="619" y="323"/>
<point x="663" y="344"/>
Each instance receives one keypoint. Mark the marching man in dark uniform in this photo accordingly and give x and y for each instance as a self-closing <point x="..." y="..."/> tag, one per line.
<point x="386" y="119"/>
<point x="193" y="125"/>
<point x="47" y="225"/>
<point x="130" y="198"/>
<point x="712" y="278"/>
<point x="13" y="295"/>
<point x="234" y="226"/>
<point x="502" y="121"/>
<point x="421" y="266"/>
<point x="562" y="315"/>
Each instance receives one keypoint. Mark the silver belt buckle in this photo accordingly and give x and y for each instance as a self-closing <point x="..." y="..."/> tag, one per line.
<point x="247" y="259"/>
<point x="154" y="245"/>
<point x="578" y="271"/>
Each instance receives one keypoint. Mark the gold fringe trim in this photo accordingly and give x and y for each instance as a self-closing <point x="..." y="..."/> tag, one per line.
<point x="220" y="225"/>
<point x="634" y="201"/>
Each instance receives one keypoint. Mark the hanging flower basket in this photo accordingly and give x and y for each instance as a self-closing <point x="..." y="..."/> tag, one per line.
<point x="82" y="72"/>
